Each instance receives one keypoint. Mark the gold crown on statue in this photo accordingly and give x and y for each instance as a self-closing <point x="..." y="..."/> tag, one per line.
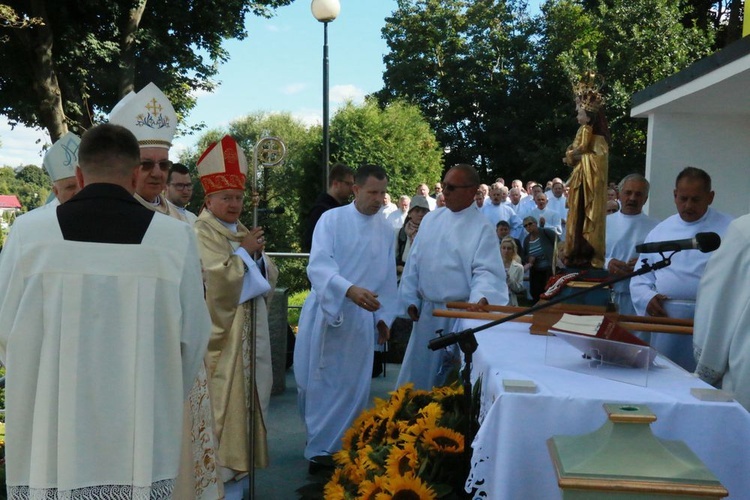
<point x="588" y="92"/>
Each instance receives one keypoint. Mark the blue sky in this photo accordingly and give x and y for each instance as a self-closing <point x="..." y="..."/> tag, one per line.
<point x="278" y="67"/>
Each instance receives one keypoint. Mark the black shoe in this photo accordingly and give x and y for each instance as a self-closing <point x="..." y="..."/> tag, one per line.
<point x="321" y="464"/>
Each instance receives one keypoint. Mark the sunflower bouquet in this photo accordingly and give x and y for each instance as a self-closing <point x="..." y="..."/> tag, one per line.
<point x="409" y="447"/>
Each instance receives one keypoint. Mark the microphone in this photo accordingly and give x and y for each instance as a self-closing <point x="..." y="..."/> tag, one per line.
<point x="271" y="211"/>
<point x="705" y="242"/>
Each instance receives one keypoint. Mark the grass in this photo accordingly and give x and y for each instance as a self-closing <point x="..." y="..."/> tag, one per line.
<point x="295" y="307"/>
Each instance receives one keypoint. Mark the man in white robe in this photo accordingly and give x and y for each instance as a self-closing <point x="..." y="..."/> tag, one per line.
<point x="546" y="216"/>
<point x="96" y="381"/>
<point x="722" y="317"/>
<point x="625" y="230"/>
<point x="496" y="210"/>
<point x="671" y="292"/>
<point x="455" y="257"/>
<point x="353" y="274"/>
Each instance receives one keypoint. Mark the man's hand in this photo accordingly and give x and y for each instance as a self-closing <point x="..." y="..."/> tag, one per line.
<point x="620" y="268"/>
<point x="655" y="306"/>
<point x="479" y="306"/>
<point x="364" y="298"/>
<point x="254" y="241"/>
<point x="413" y="312"/>
<point x="383" y="332"/>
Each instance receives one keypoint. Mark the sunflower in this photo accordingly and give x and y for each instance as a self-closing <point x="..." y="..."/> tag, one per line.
<point x="443" y="440"/>
<point x="342" y="457"/>
<point x="365" y="458"/>
<point x="402" y="461"/>
<point x="334" y="490"/>
<point x="408" y="488"/>
<point x="368" y="490"/>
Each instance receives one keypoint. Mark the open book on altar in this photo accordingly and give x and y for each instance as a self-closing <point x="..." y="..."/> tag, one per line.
<point x="600" y="338"/>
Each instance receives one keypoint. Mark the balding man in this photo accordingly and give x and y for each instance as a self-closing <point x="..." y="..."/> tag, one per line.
<point x="671" y="292"/>
<point x="455" y="257"/>
<point x="625" y="230"/>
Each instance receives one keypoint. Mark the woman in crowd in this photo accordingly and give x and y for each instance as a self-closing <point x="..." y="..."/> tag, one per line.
<point x="418" y="208"/>
<point x="513" y="269"/>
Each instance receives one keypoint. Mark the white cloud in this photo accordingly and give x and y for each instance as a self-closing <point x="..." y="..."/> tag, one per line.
<point x="272" y="28"/>
<point x="309" y="116"/>
<point x="343" y="93"/>
<point x="21" y="145"/>
<point x="293" y="88"/>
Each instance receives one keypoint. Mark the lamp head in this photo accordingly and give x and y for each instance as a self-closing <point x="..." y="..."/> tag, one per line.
<point x="325" y="10"/>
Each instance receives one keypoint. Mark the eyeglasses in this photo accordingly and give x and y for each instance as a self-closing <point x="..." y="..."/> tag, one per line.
<point x="529" y="224"/>
<point x="452" y="187"/>
<point x="148" y="165"/>
<point x="179" y="186"/>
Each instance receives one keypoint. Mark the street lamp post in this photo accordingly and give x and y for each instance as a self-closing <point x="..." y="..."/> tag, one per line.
<point x="325" y="11"/>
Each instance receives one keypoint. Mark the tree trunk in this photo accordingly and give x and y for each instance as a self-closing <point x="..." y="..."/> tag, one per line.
<point x="129" y="28"/>
<point x="38" y="42"/>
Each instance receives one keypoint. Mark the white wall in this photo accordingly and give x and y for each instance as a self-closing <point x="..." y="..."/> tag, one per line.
<point x="719" y="144"/>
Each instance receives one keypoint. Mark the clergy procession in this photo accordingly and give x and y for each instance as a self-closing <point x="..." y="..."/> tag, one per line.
<point x="135" y="333"/>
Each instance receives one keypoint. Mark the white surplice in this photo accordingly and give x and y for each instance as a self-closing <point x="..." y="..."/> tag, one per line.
<point x="624" y="232"/>
<point x="679" y="281"/>
<point x="333" y="354"/>
<point x="722" y="315"/>
<point x="455" y="257"/>
<point x="101" y="343"/>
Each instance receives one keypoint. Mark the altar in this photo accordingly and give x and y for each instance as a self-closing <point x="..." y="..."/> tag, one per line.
<point x="510" y="458"/>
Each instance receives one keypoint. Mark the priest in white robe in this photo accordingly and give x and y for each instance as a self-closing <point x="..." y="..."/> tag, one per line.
<point x="97" y="378"/>
<point x="455" y="257"/>
<point x="671" y="292"/>
<point x="722" y="316"/>
<point x="353" y="274"/>
<point x="626" y="229"/>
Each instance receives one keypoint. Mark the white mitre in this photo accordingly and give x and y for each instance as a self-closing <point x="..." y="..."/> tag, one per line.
<point x="62" y="158"/>
<point x="148" y="115"/>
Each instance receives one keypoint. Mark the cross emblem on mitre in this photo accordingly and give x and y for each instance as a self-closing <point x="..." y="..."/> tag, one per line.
<point x="153" y="106"/>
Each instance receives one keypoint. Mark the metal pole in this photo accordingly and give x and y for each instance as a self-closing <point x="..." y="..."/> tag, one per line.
<point x="326" y="139"/>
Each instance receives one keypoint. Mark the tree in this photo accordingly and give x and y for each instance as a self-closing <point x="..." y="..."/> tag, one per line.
<point x="396" y="137"/>
<point x="496" y="84"/>
<point x="467" y="66"/>
<point x="30" y="184"/>
<point x="617" y="41"/>
<point x="73" y="67"/>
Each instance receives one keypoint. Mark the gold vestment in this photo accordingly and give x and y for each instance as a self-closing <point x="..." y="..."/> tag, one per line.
<point x="227" y="361"/>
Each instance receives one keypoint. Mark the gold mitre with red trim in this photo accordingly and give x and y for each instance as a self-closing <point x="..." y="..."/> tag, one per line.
<point x="223" y="166"/>
<point x="588" y="92"/>
<point x="148" y="115"/>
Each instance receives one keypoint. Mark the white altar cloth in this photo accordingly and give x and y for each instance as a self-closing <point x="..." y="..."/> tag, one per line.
<point x="510" y="458"/>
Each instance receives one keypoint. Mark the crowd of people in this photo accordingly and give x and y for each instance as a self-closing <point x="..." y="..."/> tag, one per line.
<point x="131" y="320"/>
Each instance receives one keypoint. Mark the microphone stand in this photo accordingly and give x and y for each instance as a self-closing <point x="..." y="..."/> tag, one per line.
<point x="467" y="342"/>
